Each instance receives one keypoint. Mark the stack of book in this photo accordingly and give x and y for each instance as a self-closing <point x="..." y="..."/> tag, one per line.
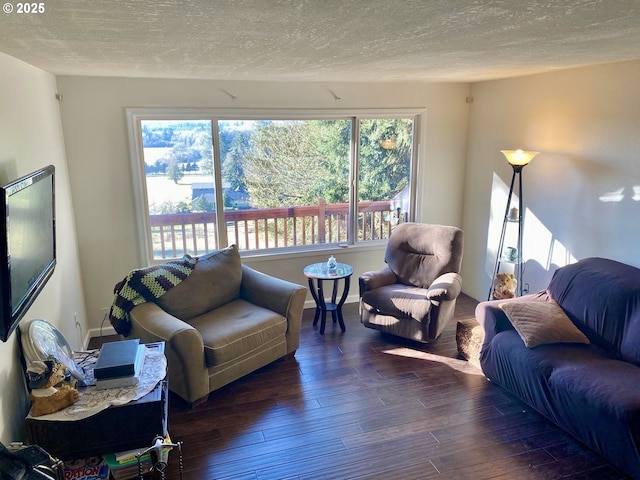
<point x="119" y="364"/>
<point x="124" y="465"/>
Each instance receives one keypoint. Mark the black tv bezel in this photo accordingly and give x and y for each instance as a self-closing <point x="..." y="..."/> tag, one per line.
<point x="9" y="320"/>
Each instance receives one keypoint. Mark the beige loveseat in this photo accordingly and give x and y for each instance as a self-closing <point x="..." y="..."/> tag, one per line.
<point x="222" y="322"/>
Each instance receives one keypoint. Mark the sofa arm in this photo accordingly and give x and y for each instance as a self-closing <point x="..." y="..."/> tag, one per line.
<point x="493" y="319"/>
<point x="375" y="279"/>
<point x="281" y="296"/>
<point x="446" y="287"/>
<point x="184" y="349"/>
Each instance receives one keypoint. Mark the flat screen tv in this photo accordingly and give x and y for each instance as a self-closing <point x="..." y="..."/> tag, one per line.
<point x="27" y="243"/>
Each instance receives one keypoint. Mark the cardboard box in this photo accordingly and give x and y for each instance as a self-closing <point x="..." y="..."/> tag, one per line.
<point x="93" y="468"/>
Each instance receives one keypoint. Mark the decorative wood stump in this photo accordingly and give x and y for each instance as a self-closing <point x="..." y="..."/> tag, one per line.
<point x="469" y="338"/>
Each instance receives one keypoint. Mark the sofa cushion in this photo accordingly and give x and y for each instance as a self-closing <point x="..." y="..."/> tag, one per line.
<point x="398" y="301"/>
<point x="526" y="371"/>
<point x="598" y="403"/>
<point x="250" y="328"/>
<point x="603" y="386"/>
<point x="215" y="281"/>
<point x="540" y="323"/>
<point x="602" y="298"/>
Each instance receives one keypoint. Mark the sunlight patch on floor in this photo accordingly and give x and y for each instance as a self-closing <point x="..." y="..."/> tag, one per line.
<point x="454" y="363"/>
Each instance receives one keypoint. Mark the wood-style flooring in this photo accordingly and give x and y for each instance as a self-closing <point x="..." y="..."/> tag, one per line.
<point x="362" y="405"/>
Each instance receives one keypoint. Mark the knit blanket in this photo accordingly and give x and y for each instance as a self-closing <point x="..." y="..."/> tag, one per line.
<point x="145" y="285"/>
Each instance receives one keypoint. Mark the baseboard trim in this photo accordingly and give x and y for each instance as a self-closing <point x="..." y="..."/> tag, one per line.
<point x="104" y="331"/>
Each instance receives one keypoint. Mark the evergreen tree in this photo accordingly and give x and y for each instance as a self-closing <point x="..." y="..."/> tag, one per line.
<point x="232" y="170"/>
<point x="295" y="163"/>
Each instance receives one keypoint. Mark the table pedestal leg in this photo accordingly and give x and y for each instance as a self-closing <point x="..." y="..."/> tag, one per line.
<point x="341" y="302"/>
<point x="317" y="292"/>
<point x="322" y="306"/>
<point x="334" y="295"/>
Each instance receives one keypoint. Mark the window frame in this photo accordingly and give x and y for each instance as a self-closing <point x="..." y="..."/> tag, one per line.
<point x="136" y="115"/>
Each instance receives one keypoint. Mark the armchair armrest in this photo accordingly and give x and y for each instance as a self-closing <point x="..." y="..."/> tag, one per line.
<point x="375" y="279"/>
<point x="446" y="287"/>
<point x="281" y="296"/>
<point x="184" y="348"/>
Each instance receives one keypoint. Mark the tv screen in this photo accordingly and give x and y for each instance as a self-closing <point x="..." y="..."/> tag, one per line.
<point x="27" y="244"/>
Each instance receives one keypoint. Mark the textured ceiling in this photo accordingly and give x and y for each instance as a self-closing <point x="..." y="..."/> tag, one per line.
<point x="321" y="40"/>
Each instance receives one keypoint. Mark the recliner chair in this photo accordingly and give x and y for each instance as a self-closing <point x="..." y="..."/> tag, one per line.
<point x="415" y="296"/>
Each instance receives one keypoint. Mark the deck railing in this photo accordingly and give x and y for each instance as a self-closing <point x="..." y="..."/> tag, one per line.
<point x="175" y="234"/>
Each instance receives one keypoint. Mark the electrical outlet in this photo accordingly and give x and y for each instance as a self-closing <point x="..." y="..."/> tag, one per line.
<point x="526" y="288"/>
<point x="75" y="319"/>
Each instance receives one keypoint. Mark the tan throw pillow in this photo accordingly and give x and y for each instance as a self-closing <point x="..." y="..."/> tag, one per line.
<point x="215" y="280"/>
<point x="540" y="323"/>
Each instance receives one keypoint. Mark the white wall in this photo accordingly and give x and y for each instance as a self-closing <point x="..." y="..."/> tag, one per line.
<point x="581" y="193"/>
<point x="30" y="138"/>
<point x="93" y="119"/>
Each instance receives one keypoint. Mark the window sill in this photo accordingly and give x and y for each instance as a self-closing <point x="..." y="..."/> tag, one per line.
<point x="312" y="251"/>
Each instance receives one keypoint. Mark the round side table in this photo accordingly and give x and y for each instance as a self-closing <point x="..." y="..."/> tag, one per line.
<point x="316" y="273"/>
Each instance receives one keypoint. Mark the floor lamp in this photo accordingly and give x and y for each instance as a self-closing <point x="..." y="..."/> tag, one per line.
<point x="518" y="159"/>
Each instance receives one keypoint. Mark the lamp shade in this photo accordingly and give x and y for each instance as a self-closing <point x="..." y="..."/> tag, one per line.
<point x="519" y="157"/>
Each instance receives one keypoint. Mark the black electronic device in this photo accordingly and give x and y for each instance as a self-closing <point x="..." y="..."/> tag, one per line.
<point x="29" y="463"/>
<point x="118" y="359"/>
<point x="27" y="243"/>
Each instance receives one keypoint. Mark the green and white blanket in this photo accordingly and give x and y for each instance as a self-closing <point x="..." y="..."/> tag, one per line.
<point x="146" y="285"/>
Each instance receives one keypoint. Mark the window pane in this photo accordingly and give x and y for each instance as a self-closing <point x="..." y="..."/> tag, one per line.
<point x="285" y="182"/>
<point x="178" y="165"/>
<point x="282" y="183"/>
<point x="384" y="176"/>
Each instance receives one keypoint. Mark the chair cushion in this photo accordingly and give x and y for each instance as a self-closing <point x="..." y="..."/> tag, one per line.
<point x="214" y="281"/>
<point x="419" y="253"/>
<point x="237" y="328"/>
<point x="398" y="301"/>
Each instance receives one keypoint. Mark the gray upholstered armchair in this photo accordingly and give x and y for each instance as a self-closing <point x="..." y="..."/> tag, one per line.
<point x="222" y="322"/>
<point x="415" y="296"/>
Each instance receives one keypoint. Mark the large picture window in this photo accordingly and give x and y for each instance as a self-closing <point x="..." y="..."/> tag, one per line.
<point x="270" y="182"/>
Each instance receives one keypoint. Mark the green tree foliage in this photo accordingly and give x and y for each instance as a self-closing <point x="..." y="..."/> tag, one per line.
<point x="298" y="162"/>
<point x="189" y="142"/>
<point x="201" y="204"/>
<point x="174" y="170"/>
<point x="232" y="170"/>
<point x="288" y="163"/>
<point x="156" y="134"/>
<point x="334" y="138"/>
<point x="295" y="163"/>
<point x="384" y="172"/>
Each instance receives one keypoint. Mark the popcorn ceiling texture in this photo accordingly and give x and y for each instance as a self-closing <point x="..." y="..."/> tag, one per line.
<point x="322" y="40"/>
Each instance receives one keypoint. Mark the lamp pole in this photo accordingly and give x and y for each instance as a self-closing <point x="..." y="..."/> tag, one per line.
<point x="518" y="159"/>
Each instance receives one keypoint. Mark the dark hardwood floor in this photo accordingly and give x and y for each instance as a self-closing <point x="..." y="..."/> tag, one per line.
<point x="361" y="405"/>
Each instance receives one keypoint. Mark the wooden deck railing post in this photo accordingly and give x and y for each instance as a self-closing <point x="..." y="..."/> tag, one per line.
<point x="322" y="238"/>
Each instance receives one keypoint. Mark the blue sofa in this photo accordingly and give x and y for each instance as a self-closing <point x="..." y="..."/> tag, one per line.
<point x="592" y="391"/>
